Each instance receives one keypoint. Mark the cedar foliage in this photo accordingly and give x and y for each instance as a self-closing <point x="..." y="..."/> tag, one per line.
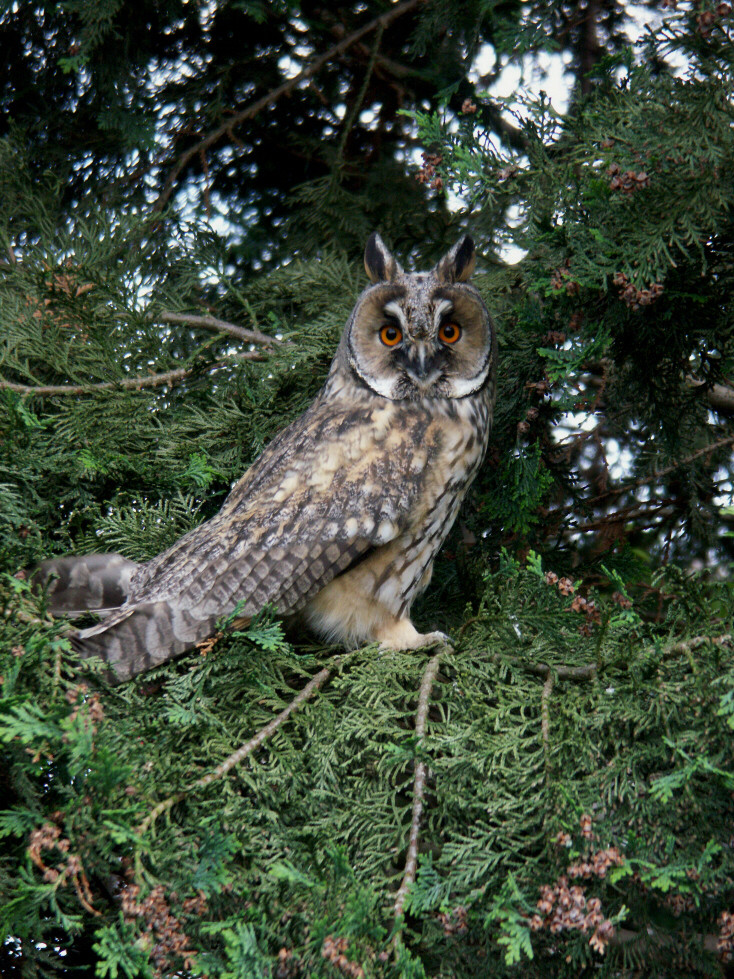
<point x="577" y="753"/>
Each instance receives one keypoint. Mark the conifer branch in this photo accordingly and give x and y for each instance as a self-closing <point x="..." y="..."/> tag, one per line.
<point x="384" y="20"/>
<point x="220" y="326"/>
<point x="240" y="754"/>
<point x="650" y="478"/>
<point x="419" y="782"/>
<point x="126" y="383"/>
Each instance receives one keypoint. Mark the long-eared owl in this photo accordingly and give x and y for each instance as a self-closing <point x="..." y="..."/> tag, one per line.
<point x="341" y="517"/>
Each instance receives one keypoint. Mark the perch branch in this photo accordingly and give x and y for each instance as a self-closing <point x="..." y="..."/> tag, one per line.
<point x="384" y="20"/>
<point x="419" y="783"/>
<point x="126" y="383"/>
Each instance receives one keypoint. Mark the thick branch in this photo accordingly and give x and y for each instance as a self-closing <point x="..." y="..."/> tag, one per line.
<point x="251" y="110"/>
<point x="419" y="782"/>
<point x="126" y="383"/>
<point x="719" y="396"/>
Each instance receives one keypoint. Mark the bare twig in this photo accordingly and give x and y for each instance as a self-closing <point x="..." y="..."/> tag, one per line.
<point x="220" y="326"/>
<point x="688" y="645"/>
<point x="126" y="383"/>
<point x="384" y="20"/>
<point x="419" y="782"/>
<point x="650" y="509"/>
<point x="580" y="674"/>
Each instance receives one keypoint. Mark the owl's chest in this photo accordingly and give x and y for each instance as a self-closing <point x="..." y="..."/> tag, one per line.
<point x="461" y="442"/>
<point x="402" y="569"/>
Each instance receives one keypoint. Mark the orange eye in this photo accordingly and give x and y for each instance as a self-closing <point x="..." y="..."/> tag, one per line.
<point x="391" y="335"/>
<point x="449" y="332"/>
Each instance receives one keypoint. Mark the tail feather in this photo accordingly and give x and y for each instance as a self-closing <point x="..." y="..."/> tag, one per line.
<point x="138" y="637"/>
<point x="87" y="583"/>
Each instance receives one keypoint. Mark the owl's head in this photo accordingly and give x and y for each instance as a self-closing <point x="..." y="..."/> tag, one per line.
<point x="420" y="334"/>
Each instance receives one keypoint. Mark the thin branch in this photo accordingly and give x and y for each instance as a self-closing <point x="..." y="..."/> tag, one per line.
<point x="312" y="687"/>
<point x="650" y="509"/>
<point x="644" y="480"/>
<point x="220" y="326"/>
<point x="244" y="750"/>
<point x="127" y="383"/>
<point x="577" y="673"/>
<point x="688" y="645"/>
<point x="589" y="671"/>
<point x="384" y="20"/>
<point x="419" y="782"/>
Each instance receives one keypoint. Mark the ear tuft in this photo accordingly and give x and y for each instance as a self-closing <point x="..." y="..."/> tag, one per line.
<point x="378" y="262"/>
<point x="458" y="264"/>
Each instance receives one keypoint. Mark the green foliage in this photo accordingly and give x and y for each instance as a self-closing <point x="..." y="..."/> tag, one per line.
<point x="618" y="318"/>
<point x="300" y="846"/>
<point x="580" y="731"/>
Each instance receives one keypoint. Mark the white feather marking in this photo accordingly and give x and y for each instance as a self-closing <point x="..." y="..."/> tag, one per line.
<point x="464" y="386"/>
<point x="443" y="307"/>
<point x="380" y="385"/>
<point x="394" y="309"/>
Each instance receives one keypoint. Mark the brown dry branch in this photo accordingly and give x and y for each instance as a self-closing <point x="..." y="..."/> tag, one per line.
<point x="126" y="383"/>
<point x="220" y="326"/>
<point x="419" y="782"/>
<point x="48" y="837"/>
<point x="163" y="932"/>
<point x="384" y="20"/>
<point x="334" y="950"/>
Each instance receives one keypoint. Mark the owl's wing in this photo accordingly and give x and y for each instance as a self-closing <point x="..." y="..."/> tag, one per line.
<point x="328" y="490"/>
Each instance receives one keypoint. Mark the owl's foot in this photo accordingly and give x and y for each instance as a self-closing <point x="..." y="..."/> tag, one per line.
<point x="402" y="634"/>
<point x="436" y="639"/>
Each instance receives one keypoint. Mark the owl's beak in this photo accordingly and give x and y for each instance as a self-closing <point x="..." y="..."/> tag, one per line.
<point x="421" y="367"/>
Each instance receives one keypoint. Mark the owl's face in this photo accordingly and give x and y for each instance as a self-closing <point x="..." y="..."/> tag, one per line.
<point x="420" y="335"/>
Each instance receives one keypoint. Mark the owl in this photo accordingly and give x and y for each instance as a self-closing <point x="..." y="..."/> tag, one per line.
<point x="339" y="520"/>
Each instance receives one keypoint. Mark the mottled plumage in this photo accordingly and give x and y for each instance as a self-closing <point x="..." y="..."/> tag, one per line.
<point x="340" y="518"/>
